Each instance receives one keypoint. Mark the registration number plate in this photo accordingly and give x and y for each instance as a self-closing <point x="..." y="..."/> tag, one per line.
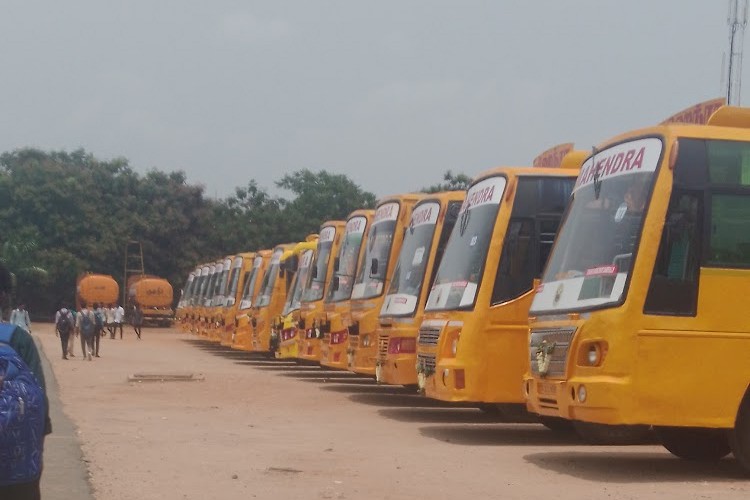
<point x="545" y="389"/>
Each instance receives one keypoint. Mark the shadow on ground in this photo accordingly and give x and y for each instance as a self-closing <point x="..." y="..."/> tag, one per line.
<point x="499" y="434"/>
<point x="635" y="465"/>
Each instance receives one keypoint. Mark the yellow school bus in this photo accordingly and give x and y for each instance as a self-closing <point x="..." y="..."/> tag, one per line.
<point x="290" y="316"/>
<point x="312" y="313"/>
<point x="242" y="335"/>
<point x="638" y="319"/>
<point x="431" y="222"/>
<point x="392" y="216"/>
<point x="242" y="266"/>
<point x="472" y="342"/>
<point x="335" y="327"/>
<point x="183" y="309"/>
<point x="270" y="299"/>
<point x="191" y="312"/>
<point x="203" y="303"/>
<point x="216" y="307"/>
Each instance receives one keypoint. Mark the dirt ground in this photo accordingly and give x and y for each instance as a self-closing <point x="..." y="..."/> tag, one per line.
<point x="255" y="428"/>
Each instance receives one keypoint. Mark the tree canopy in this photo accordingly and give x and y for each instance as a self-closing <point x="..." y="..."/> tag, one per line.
<point x="451" y="182"/>
<point x="65" y="213"/>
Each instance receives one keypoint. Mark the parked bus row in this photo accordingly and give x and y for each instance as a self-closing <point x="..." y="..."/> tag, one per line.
<point x="599" y="290"/>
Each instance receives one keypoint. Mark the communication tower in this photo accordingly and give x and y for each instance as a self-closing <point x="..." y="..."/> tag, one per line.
<point x="737" y="20"/>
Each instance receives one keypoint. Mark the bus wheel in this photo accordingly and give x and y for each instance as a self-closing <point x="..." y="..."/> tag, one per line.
<point x="557" y="424"/>
<point x="739" y="437"/>
<point x="690" y="443"/>
<point x="613" y="434"/>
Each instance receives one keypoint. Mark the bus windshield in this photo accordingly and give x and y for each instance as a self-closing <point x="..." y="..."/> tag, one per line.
<point x="221" y="284"/>
<point x="247" y="291"/>
<point x="294" y="296"/>
<point x="269" y="280"/>
<point x="408" y="275"/>
<point x="348" y="254"/>
<point x="460" y="272"/>
<point x="596" y="246"/>
<point x="369" y="284"/>
<point x="234" y="278"/>
<point x="317" y="278"/>
<point x="199" y="288"/>
<point x="208" y="293"/>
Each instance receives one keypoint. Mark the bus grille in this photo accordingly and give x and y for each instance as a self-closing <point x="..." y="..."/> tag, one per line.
<point x="426" y="363"/>
<point x="383" y="347"/>
<point x="429" y="335"/>
<point x="560" y="339"/>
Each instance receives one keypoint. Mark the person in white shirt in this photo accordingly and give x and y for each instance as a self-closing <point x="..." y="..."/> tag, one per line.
<point x="20" y="317"/>
<point x="119" y="318"/>
<point x="109" y="319"/>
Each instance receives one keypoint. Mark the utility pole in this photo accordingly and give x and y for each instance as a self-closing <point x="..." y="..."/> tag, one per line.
<point x="133" y="266"/>
<point x="737" y="20"/>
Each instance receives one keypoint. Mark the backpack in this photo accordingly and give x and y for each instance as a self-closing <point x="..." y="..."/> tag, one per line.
<point x="22" y="414"/>
<point x="63" y="322"/>
<point x="87" y="324"/>
<point x="99" y="318"/>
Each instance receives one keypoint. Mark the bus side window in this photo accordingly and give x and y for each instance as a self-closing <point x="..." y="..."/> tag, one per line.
<point x="674" y="282"/>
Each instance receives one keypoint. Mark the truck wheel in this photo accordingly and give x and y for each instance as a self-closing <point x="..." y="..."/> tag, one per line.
<point x="613" y="434"/>
<point x="691" y="443"/>
<point x="557" y="424"/>
<point x="739" y="437"/>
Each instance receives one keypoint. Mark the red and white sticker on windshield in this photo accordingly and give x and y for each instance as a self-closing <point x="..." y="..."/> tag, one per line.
<point x="426" y="213"/>
<point x="356" y="225"/>
<point x="607" y="270"/>
<point x="631" y="157"/>
<point x="327" y="234"/>
<point x="386" y="212"/>
<point x="486" y="192"/>
<point x="306" y="259"/>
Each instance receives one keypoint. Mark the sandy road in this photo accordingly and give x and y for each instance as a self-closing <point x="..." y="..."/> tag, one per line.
<point x="256" y="428"/>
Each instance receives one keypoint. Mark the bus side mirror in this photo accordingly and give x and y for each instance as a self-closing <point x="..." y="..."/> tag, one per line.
<point x="335" y="283"/>
<point x="374" y="267"/>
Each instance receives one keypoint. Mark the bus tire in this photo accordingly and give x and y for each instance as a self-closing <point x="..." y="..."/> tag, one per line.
<point x="618" y="435"/>
<point x="739" y="437"/>
<point x="691" y="443"/>
<point x="557" y="424"/>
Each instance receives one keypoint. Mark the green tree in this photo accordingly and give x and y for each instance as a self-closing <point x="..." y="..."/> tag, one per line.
<point x="451" y="182"/>
<point x="319" y="196"/>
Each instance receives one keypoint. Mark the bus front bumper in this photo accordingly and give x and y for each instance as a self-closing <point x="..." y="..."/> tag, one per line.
<point x="598" y="399"/>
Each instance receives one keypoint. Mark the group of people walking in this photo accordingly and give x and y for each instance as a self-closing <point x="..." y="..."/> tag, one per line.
<point x="91" y="324"/>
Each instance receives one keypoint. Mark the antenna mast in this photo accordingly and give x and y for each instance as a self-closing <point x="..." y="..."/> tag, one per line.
<point x="737" y="20"/>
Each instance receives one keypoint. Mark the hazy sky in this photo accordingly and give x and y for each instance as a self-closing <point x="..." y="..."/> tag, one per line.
<point x="391" y="93"/>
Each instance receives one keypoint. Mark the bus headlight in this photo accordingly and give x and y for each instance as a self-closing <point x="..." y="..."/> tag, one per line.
<point x="594" y="354"/>
<point x="582" y="395"/>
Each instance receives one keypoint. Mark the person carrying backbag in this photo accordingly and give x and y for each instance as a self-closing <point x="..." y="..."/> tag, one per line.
<point x="24" y="415"/>
<point x="86" y="324"/>
<point x="64" y="325"/>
